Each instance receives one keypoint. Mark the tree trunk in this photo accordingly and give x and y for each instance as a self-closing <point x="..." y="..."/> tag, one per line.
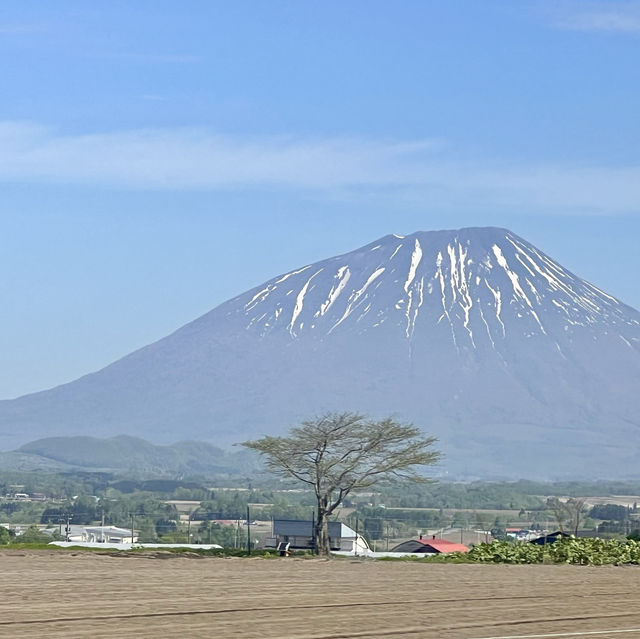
<point x="321" y="533"/>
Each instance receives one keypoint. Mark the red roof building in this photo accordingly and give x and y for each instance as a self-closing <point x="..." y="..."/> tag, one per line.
<point x="429" y="545"/>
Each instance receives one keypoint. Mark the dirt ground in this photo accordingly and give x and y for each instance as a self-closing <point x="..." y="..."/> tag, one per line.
<point x="81" y="594"/>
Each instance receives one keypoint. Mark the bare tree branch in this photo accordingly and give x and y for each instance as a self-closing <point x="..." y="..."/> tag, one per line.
<point x="338" y="453"/>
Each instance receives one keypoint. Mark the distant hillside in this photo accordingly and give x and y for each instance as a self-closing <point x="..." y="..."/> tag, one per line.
<point x="24" y="462"/>
<point x="131" y="454"/>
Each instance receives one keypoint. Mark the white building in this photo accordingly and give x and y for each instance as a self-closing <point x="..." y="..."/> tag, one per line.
<point x="109" y="535"/>
<point x="299" y="535"/>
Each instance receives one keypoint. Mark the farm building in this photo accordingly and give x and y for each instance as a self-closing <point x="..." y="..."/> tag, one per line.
<point x="109" y="534"/>
<point x="429" y="545"/>
<point x="550" y="538"/>
<point x="299" y="535"/>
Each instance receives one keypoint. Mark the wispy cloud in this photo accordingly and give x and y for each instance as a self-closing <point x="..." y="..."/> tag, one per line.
<point x="197" y="159"/>
<point x="622" y="17"/>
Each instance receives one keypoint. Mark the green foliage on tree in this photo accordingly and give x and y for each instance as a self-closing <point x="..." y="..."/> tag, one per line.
<point x="224" y="535"/>
<point x="21" y="512"/>
<point x="33" y="535"/>
<point x="449" y="495"/>
<point x="611" y="512"/>
<point x="5" y="536"/>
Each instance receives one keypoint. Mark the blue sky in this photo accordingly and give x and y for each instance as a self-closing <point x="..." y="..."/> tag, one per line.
<point x="157" y="158"/>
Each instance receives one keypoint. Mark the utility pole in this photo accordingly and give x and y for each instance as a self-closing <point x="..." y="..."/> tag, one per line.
<point x="355" y="549"/>
<point x="132" y="531"/>
<point x="248" y="531"/>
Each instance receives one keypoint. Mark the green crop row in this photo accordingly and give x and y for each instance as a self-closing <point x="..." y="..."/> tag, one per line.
<point x="583" y="551"/>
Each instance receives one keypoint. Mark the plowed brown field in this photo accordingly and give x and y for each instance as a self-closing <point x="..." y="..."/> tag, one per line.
<point x="82" y="594"/>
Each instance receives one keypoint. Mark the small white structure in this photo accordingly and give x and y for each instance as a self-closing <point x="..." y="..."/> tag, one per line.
<point x="109" y="535"/>
<point x="126" y="546"/>
<point x="299" y="535"/>
<point x="72" y="532"/>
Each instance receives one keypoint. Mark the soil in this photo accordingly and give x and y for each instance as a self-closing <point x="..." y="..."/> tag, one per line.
<point x="82" y="594"/>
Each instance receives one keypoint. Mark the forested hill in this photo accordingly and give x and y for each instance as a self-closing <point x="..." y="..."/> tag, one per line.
<point x="129" y="454"/>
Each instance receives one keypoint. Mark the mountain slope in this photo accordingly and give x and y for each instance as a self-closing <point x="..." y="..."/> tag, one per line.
<point x="137" y="456"/>
<point x="519" y="366"/>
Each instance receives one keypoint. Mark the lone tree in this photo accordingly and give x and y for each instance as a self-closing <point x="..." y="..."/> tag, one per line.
<point x="570" y="512"/>
<point x="338" y="453"/>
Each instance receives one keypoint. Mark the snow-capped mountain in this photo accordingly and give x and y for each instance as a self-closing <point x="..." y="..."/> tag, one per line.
<point x="518" y="366"/>
<point x="469" y="280"/>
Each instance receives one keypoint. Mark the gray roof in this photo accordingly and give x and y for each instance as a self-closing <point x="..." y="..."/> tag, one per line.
<point x="301" y="528"/>
<point x="114" y="531"/>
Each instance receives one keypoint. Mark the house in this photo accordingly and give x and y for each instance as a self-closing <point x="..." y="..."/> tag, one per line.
<point x="429" y="546"/>
<point x="299" y="535"/>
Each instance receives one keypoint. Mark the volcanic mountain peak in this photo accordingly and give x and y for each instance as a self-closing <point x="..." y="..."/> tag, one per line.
<point x="481" y="282"/>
